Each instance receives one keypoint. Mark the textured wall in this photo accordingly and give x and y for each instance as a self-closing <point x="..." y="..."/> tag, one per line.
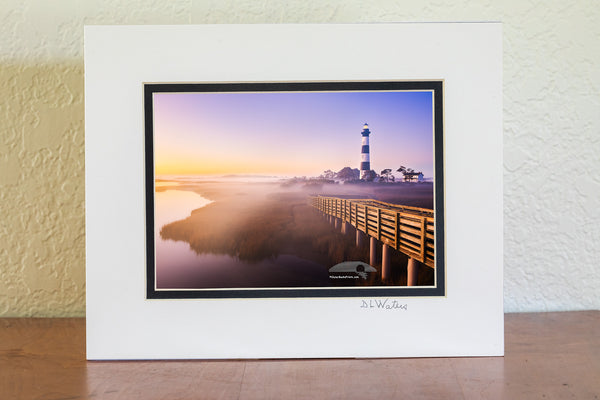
<point x="551" y="136"/>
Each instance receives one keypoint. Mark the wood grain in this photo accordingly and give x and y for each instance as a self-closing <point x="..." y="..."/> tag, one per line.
<point x="406" y="229"/>
<point x="548" y="356"/>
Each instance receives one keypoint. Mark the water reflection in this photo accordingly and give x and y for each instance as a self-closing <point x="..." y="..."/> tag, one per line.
<point x="173" y="205"/>
<point x="179" y="267"/>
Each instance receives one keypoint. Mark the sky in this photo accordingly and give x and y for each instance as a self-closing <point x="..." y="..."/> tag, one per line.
<point x="290" y="133"/>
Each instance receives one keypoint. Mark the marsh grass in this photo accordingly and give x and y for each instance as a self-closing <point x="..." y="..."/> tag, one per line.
<point x="253" y="227"/>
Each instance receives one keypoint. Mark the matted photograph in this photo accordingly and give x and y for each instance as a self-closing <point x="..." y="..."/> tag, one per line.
<point x="276" y="200"/>
<point x="294" y="189"/>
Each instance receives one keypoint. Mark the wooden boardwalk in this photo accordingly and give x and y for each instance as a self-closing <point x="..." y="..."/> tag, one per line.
<point x="409" y="230"/>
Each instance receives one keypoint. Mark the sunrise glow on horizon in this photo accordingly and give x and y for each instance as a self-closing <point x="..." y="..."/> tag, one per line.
<point x="290" y="133"/>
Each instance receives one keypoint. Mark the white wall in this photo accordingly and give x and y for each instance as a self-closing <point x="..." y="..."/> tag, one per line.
<point x="551" y="136"/>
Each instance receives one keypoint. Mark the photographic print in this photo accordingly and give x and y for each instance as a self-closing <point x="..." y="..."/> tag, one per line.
<point x="299" y="189"/>
<point x="222" y="190"/>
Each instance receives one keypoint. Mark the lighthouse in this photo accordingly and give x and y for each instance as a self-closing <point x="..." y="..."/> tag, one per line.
<point x="365" y="161"/>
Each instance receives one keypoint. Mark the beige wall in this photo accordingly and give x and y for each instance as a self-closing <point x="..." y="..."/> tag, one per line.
<point x="551" y="134"/>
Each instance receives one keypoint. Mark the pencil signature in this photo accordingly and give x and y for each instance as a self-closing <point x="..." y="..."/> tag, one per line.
<point x="383" y="304"/>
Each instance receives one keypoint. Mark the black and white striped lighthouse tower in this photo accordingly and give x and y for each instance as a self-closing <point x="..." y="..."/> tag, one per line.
<point x="365" y="161"/>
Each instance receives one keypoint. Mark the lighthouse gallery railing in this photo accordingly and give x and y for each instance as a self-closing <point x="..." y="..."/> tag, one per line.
<point x="409" y="230"/>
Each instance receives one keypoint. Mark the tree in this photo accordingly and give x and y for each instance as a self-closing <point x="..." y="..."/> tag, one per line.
<point x="370" y="176"/>
<point x="329" y="175"/>
<point x="406" y="171"/>
<point x="387" y="176"/>
<point x="348" y="174"/>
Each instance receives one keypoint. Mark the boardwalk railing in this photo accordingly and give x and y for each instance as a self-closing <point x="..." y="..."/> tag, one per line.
<point x="409" y="230"/>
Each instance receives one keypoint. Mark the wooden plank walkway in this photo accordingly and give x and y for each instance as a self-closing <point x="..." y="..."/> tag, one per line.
<point x="409" y="230"/>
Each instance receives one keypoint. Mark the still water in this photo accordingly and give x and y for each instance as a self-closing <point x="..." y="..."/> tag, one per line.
<point x="180" y="267"/>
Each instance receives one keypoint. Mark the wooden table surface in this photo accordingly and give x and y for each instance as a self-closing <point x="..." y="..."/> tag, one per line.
<point x="548" y="356"/>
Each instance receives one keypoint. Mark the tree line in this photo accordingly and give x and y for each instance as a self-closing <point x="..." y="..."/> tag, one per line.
<point x="348" y="174"/>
